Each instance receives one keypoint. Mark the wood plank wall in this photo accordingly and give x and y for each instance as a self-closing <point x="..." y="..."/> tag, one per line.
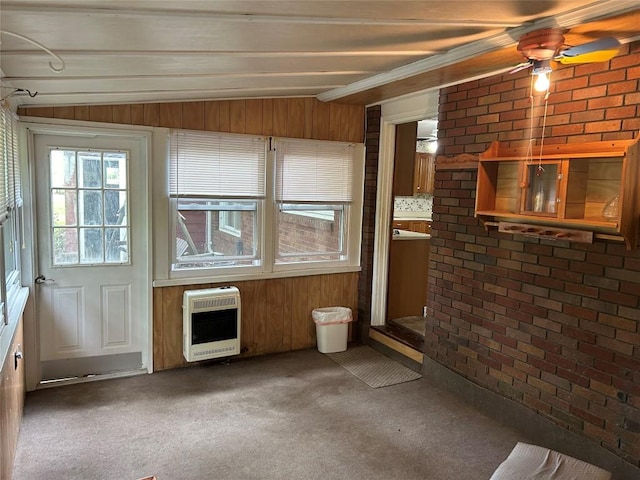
<point x="276" y="314"/>
<point x="284" y="117"/>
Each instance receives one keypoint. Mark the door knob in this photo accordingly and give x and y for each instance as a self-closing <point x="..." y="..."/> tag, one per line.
<point x="40" y="279"/>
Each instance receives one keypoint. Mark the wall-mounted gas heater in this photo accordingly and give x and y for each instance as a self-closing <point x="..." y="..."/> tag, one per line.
<point x="211" y="323"/>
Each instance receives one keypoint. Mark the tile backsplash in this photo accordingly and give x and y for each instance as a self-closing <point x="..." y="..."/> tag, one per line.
<point x="418" y="206"/>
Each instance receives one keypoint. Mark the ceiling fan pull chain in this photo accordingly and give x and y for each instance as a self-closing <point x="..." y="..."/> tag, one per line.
<point x="544" y="124"/>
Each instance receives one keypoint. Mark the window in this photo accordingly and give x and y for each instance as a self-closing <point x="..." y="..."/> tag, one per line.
<point x="262" y="204"/>
<point x="217" y="189"/>
<point x="10" y="212"/>
<point x="314" y="192"/>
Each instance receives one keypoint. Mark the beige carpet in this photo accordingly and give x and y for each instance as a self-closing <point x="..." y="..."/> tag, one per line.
<point x="372" y="367"/>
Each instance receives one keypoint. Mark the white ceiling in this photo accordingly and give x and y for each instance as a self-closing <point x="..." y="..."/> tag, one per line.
<point x="155" y="50"/>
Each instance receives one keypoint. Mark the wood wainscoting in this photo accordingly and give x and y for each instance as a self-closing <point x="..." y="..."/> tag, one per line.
<point x="276" y="314"/>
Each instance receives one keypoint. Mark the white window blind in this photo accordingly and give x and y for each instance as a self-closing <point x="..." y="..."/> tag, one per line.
<point x="314" y="171"/>
<point x="6" y="158"/>
<point x="206" y="164"/>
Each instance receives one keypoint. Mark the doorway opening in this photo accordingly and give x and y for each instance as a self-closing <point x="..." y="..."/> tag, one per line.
<point x="415" y="146"/>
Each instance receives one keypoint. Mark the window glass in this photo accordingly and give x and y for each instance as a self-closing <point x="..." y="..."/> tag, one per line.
<point x="203" y="239"/>
<point x="310" y="233"/>
<point x="88" y="200"/>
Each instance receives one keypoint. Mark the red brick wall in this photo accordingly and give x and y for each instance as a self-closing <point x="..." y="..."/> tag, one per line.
<point x="552" y="325"/>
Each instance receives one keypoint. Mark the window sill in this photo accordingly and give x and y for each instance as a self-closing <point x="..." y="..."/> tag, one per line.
<point x="227" y="278"/>
<point x="16" y="309"/>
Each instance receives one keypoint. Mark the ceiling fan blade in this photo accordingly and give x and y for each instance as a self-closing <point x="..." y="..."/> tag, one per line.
<point x="520" y="67"/>
<point x="599" y="50"/>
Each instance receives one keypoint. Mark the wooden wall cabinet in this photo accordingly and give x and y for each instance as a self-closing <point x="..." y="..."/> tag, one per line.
<point x="424" y="173"/>
<point x="404" y="159"/>
<point x="589" y="186"/>
<point x="12" y="392"/>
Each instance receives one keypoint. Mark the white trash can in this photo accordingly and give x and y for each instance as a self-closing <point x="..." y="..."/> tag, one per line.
<point x="332" y="328"/>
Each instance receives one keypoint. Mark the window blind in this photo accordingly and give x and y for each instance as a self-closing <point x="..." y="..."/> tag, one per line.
<point x="6" y="158"/>
<point x="206" y="164"/>
<point x="314" y="171"/>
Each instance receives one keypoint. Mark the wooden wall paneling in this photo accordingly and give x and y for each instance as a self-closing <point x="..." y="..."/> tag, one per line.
<point x="158" y="330"/>
<point x="313" y="301"/>
<point x="356" y="124"/>
<point x="345" y="123"/>
<point x="225" y="119"/>
<point x="247" y="296"/>
<point x="300" y="314"/>
<point x="121" y="114"/>
<point x="253" y="119"/>
<point x="295" y="120"/>
<point x="260" y="320"/>
<point x="152" y="114"/>
<point x="137" y="114"/>
<point x="331" y="290"/>
<point x="237" y="116"/>
<point x="101" y="113"/>
<point x="280" y="116"/>
<point x="193" y="115"/>
<point x="309" y="104"/>
<point x="81" y="112"/>
<point x="275" y="315"/>
<point x="287" y="309"/>
<point x="39" y="112"/>
<point x="212" y="116"/>
<point x="63" y="112"/>
<point x="267" y="116"/>
<point x="335" y="121"/>
<point x="170" y="115"/>
<point x="172" y="326"/>
<point x="350" y="290"/>
<point x="321" y="115"/>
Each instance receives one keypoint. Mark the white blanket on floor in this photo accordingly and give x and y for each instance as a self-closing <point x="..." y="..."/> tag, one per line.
<point x="530" y="462"/>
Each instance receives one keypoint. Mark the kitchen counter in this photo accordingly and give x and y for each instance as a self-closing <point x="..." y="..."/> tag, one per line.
<point x="409" y="235"/>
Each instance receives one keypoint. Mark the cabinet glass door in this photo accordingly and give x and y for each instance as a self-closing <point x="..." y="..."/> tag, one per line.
<point x="542" y="189"/>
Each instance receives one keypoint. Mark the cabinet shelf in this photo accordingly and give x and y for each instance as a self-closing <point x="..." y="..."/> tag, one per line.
<point x="590" y="186"/>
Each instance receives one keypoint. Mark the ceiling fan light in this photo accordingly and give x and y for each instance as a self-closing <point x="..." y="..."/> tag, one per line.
<point x="543" y="82"/>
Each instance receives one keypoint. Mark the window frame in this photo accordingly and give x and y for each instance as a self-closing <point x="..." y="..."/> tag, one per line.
<point x="267" y="232"/>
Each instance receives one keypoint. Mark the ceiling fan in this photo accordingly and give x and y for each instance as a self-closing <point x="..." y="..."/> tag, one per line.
<point x="542" y="46"/>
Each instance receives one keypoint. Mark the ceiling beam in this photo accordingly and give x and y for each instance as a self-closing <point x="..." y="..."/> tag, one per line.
<point x="190" y="75"/>
<point x="252" y="17"/>
<point x="229" y="53"/>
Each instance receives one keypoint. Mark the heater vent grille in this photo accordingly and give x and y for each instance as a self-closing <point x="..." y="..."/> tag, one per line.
<point x="207" y="303"/>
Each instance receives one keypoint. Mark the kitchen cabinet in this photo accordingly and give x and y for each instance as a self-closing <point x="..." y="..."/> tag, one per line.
<point x="564" y="190"/>
<point x="404" y="158"/>
<point x="424" y="173"/>
<point x="421" y="226"/>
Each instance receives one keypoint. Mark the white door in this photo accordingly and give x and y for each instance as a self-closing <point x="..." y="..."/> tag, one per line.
<point x="92" y="284"/>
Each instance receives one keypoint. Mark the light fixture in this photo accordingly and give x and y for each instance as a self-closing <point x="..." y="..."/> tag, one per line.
<point x="542" y="70"/>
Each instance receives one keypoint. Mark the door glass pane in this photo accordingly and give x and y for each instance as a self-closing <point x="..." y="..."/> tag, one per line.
<point x="115" y="207"/>
<point x="63" y="168"/>
<point x="65" y="246"/>
<point x="115" y="170"/>
<point x="64" y="204"/>
<point x="90" y="207"/>
<point x="90" y="169"/>
<point x="91" y="245"/>
<point x="116" y="251"/>
<point x="95" y="196"/>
